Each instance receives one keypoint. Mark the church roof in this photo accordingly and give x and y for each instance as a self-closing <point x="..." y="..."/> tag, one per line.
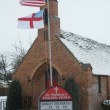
<point x="88" y="51"/>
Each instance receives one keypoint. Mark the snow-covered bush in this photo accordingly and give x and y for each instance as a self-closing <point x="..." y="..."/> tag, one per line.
<point x="106" y="105"/>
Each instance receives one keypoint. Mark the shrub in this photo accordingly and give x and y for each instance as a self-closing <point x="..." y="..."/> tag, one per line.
<point x="73" y="89"/>
<point x="106" y="105"/>
<point x="14" y="98"/>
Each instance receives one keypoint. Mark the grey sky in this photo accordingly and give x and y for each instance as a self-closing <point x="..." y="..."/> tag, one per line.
<point x="88" y="18"/>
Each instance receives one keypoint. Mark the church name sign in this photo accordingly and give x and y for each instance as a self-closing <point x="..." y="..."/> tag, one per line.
<point x="55" y="98"/>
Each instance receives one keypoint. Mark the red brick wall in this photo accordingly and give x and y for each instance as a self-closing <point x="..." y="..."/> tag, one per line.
<point x="96" y="98"/>
<point x="108" y="88"/>
<point x="3" y="91"/>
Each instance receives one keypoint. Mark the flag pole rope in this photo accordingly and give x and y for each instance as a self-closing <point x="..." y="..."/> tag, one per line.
<point x="49" y="43"/>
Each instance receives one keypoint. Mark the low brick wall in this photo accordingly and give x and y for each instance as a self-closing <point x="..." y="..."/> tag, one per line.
<point x="3" y="91"/>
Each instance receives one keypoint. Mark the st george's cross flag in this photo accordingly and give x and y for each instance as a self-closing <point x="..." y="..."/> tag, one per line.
<point x="35" y="20"/>
<point x="34" y="3"/>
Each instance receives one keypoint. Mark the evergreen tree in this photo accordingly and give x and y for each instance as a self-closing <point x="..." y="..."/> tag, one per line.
<point x="14" y="99"/>
<point x="73" y="89"/>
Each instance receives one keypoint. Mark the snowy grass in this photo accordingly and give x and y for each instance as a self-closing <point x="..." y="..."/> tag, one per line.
<point x="3" y="97"/>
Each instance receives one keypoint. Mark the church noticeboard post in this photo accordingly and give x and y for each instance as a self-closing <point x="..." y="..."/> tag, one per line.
<point x="55" y="98"/>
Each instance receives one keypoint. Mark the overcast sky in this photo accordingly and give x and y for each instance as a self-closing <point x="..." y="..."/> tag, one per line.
<point x="88" y="18"/>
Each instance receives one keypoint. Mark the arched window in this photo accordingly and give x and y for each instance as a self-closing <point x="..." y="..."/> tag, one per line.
<point x="45" y="16"/>
<point x="54" y="77"/>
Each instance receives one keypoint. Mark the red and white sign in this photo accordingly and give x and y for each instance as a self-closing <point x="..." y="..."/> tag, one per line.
<point x="56" y="98"/>
<point x="56" y="93"/>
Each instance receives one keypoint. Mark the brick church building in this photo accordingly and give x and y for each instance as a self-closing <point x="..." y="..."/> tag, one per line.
<point x="33" y="73"/>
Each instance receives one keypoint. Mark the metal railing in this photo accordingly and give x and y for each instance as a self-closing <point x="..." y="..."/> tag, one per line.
<point x="26" y="103"/>
<point x="2" y="104"/>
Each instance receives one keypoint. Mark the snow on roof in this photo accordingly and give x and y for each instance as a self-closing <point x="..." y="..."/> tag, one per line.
<point x="88" y="51"/>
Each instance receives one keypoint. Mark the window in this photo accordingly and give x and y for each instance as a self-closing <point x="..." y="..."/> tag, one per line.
<point x="45" y="35"/>
<point x="54" y="76"/>
<point x="99" y="84"/>
<point x="45" y="16"/>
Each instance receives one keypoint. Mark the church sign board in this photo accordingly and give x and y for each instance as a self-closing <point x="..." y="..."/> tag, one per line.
<point x="56" y="98"/>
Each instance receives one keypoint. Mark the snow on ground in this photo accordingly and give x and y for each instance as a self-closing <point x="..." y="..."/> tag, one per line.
<point x="3" y="97"/>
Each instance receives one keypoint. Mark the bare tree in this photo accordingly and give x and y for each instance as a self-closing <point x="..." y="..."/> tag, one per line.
<point x="9" y="63"/>
<point x="4" y="69"/>
<point x="17" y="56"/>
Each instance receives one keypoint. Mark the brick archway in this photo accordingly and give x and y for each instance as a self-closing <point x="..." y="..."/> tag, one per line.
<point x="40" y="79"/>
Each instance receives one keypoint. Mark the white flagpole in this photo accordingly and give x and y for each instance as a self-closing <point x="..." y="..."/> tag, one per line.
<point x="49" y="43"/>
